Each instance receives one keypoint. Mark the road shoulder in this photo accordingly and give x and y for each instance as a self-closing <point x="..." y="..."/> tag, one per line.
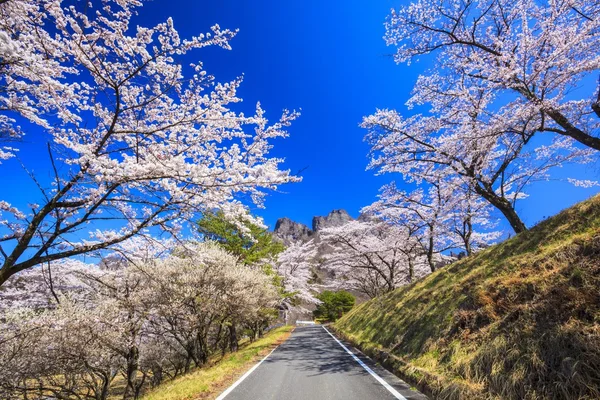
<point x="395" y="382"/>
<point x="210" y="381"/>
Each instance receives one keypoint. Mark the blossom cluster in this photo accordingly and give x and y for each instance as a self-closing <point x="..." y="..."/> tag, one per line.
<point x="499" y="108"/>
<point x="131" y="134"/>
<point x="144" y="318"/>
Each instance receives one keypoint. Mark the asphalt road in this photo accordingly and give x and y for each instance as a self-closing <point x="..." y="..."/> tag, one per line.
<point x="312" y="365"/>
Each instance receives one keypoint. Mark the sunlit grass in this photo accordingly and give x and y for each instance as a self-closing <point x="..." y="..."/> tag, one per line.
<point x="209" y="382"/>
<point x="520" y="320"/>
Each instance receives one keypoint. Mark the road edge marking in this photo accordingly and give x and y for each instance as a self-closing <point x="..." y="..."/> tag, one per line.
<point x="379" y="379"/>
<point x="241" y="379"/>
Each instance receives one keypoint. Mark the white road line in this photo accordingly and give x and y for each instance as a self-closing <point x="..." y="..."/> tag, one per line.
<point x="369" y="370"/>
<point x="229" y="390"/>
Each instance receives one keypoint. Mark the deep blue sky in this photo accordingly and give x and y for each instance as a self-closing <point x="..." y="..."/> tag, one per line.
<point x="329" y="59"/>
<point x="325" y="57"/>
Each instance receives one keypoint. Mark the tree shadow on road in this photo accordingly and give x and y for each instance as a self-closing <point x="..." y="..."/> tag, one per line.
<point x="314" y="352"/>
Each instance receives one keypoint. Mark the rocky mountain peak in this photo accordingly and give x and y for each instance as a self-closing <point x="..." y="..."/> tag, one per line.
<point x="333" y="219"/>
<point x="290" y="231"/>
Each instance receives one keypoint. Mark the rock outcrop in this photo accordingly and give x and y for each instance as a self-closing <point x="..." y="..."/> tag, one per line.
<point x="290" y="231"/>
<point x="333" y="219"/>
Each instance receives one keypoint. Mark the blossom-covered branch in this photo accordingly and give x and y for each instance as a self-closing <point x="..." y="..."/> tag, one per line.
<point x="132" y="136"/>
<point x="534" y="51"/>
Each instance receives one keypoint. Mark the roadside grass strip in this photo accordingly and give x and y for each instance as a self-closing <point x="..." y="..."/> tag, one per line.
<point x="230" y="388"/>
<point x="207" y="382"/>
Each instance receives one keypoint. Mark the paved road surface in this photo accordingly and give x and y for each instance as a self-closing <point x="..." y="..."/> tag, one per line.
<point x="311" y="365"/>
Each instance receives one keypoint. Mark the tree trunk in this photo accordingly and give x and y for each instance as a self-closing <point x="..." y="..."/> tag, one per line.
<point x="138" y="387"/>
<point x="188" y="364"/>
<point x="468" y="249"/>
<point x="430" y="251"/>
<point x="202" y="349"/>
<point x="392" y="279"/>
<point x="106" y="380"/>
<point x="574" y="132"/>
<point x="131" y="372"/>
<point x="5" y="273"/>
<point x="504" y="207"/>
<point x="157" y="375"/>
<point x="233" y="339"/>
<point x="218" y="335"/>
<point x="468" y="234"/>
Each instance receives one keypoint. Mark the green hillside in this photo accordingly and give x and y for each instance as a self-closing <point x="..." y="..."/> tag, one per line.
<point x="520" y="320"/>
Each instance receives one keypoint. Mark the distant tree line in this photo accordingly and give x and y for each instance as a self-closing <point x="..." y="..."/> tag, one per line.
<point x="139" y="320"/>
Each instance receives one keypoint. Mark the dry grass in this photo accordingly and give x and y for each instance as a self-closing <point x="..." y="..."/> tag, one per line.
<point x="520" y="320"/>
<point x="209" y="382"/>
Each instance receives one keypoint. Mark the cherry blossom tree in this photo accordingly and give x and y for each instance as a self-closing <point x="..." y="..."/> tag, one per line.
<point x="424" y="215"/>
<point x="405" y="235"/>
<point x="44" y="287"/>
<point x="446" y="216"/>
<point x="372" y="256"/>
<point x="295" y="266"/>
<point x="31" y="76"/>
<point x="467" y="144"/>
<point x="534" y="53"/>
<point x="132" y="136"/>
<point x="119" y="298"/>
<point x="62" y="353"/>
<point x="502" y="83"/>
<point x="471" y="222"/>
<point x="143" y="319"/>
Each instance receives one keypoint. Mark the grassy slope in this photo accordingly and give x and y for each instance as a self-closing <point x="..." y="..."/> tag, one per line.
<point x="209" y="382"/>
<point x="520" y="320"/>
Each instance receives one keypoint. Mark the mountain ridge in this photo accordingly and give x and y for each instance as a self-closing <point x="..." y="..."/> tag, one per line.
<point x="290" y="231"/>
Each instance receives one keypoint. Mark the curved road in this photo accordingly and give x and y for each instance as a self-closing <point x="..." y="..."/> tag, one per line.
<point x="313" y="365"/>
